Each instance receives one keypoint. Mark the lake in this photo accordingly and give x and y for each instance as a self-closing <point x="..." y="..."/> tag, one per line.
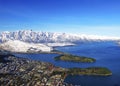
<point x="107" y="55"/>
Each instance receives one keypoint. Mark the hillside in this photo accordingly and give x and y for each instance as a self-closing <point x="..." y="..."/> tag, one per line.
<point x="19" y="46"/>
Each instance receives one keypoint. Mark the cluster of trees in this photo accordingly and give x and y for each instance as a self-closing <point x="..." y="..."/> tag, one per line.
<point x="68" y="57"/>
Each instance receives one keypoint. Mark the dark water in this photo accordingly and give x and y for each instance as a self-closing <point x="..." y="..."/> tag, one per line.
<point x="107" y="55"/>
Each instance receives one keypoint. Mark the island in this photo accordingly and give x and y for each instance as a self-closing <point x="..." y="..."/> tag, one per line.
<point x="100" y="71"/>
<point x="73" y="58"/>
<point x="95" y="71"/>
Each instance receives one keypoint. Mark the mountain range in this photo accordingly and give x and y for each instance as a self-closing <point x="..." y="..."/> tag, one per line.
<point x="50" y="37"/>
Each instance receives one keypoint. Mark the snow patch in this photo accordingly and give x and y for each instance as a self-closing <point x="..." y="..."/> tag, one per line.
<point x="19" y="46"/>
<point x="59" y="44"/>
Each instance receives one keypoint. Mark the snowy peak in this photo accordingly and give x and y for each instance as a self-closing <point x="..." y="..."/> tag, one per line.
<point x="49" y="37"/>
<point x="19" y="46"/>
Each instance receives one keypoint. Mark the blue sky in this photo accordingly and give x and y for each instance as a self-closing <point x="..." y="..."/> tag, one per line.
<point x="99" y="17"/>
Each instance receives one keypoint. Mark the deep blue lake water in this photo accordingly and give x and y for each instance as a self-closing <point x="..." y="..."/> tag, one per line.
<point x="107" y="55"/>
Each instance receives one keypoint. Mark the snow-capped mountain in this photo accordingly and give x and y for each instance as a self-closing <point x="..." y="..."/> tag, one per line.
<point x="23" y="47"/>
<point x="49" y="37"/>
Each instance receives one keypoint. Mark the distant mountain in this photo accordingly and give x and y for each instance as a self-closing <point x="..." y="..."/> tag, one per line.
<point x="23" y="47"/>
<point x="49" y="37"/>
<point x="118" y="42"/>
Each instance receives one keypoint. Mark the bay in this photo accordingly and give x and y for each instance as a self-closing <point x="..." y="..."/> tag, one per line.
<point x="107" y="55"/>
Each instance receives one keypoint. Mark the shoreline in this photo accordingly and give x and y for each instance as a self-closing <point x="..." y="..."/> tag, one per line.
<point x="39" y="69"/>
<point x="52" y="52"/>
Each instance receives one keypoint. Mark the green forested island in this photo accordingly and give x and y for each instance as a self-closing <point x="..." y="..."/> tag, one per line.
<point x="73" y="58"/>
<point x="101" y="71"/>
<point x="96" y="71"/>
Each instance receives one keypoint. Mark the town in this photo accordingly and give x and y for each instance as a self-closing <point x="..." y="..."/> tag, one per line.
<point x="15" y="71"/>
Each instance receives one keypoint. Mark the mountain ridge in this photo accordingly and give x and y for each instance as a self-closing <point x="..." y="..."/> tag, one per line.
<point x="50" y="37"/>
